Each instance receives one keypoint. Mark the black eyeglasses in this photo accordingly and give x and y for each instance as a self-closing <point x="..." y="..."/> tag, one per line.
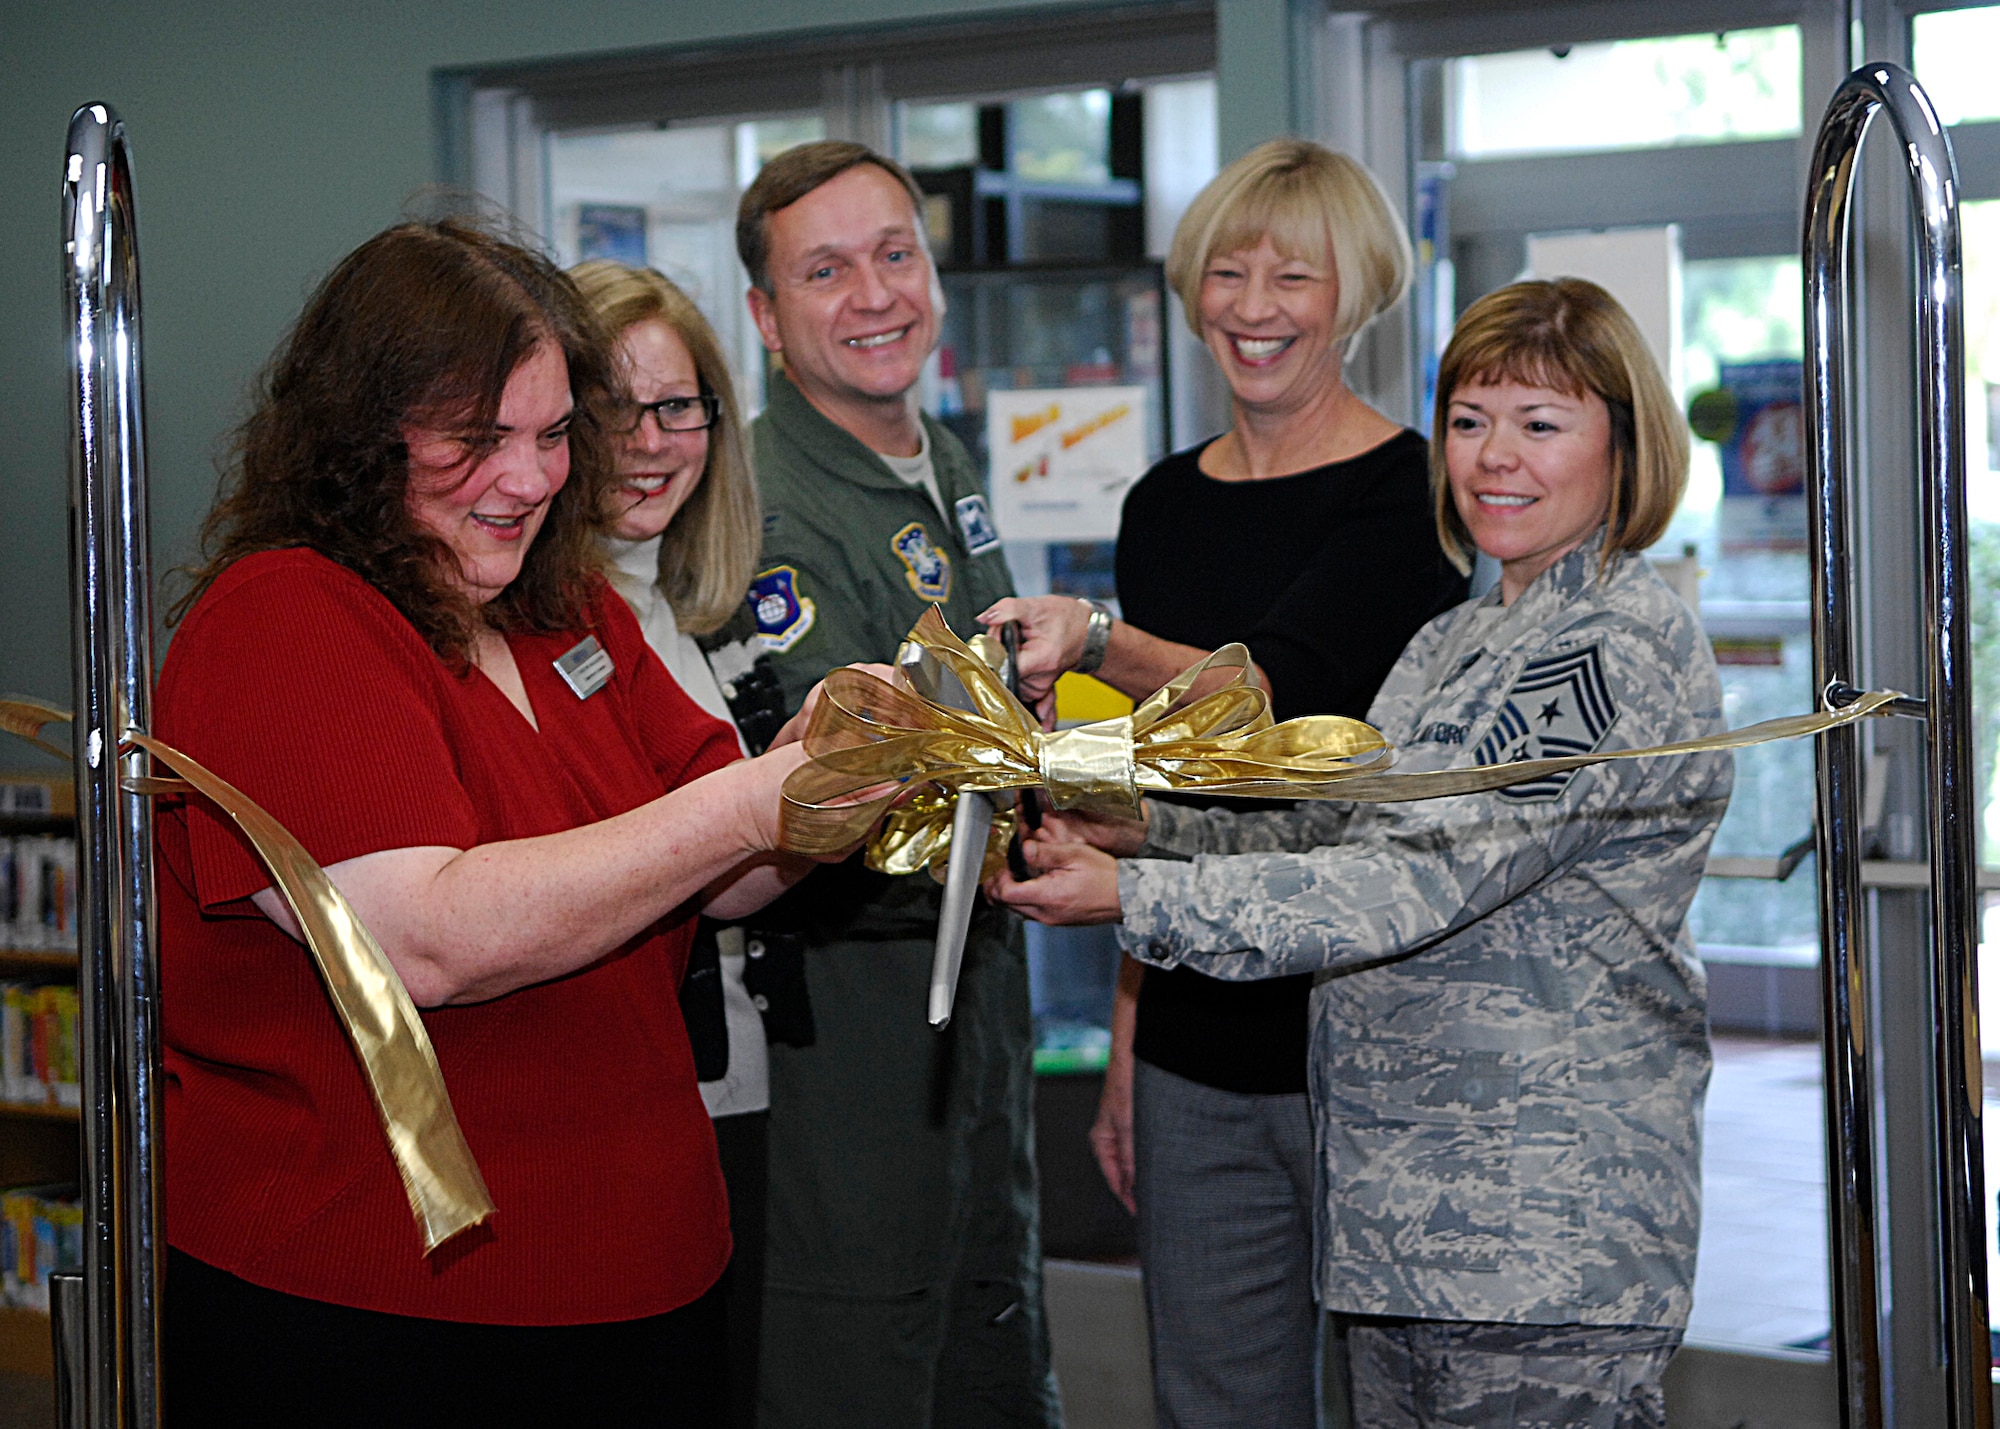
<point x="675" y="414"/>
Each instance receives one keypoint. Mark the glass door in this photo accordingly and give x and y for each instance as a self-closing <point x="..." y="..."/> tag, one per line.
<point x="1950" y="52"/>
<point x="1699" y="135"/>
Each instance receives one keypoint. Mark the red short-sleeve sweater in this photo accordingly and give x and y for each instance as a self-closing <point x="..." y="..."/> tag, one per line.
<point x="300" y="684"/>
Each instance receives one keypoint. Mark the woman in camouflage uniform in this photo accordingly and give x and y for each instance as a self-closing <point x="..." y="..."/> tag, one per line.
<point x="1510" y="1039"/>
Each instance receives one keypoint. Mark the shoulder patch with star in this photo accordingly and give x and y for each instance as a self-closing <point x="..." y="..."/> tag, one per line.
<point x="1559" y="705"/>
<point x="975" y="524"/>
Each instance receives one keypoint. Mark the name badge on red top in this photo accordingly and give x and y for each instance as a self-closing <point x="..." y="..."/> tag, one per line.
<point x="585" y="667"/>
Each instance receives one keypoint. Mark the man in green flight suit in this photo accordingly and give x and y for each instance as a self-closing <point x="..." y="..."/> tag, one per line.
<point x="904" y="1285"/>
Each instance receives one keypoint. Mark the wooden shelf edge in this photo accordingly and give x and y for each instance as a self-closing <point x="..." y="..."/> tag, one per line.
<point x="40" y="1111"/>
<point x="25" y="1344"/>
<point x="59" y="959"/>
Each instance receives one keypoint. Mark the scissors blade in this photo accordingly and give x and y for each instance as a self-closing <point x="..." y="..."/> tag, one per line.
<point x="971" y="824"/>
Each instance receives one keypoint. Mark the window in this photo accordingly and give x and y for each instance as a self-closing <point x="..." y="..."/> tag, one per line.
<point x="1953" y="53"/>
<point x="1061" y="138"/>
<point x="666" y="198"/>
<point x="1687" y="89"/>
<point x="1735" y="313"/>
<point x="938" y="136"/>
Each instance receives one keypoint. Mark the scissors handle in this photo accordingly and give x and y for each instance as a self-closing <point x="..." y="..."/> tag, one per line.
<point x="1031" y="809"/>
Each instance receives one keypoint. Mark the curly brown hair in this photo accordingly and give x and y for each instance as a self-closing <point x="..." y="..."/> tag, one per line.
<point x="422" y="324"/>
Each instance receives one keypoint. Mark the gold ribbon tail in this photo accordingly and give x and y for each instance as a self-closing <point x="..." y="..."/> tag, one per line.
<point x="447" y="1193"/>
<point x="1207" y="729"/>
<point x="1442" y="783"/>
<point x="25" y="718"/>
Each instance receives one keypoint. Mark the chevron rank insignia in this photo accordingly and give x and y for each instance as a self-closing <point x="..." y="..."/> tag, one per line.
<point x="1559" y="705"/>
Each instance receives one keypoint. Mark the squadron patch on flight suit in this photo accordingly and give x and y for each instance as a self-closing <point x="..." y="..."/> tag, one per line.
<point x="783" y="614"/>
<point x="926" y="567"/>
<point x="975" y="523"/>
<point x="1559" y="705"/>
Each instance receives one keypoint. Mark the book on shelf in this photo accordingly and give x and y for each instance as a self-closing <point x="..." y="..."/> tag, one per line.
<point x="38" y="1050"/>
<point x="38" y="892"/>
<point x="41" y="1231"/>
<point x="28" y="796"/>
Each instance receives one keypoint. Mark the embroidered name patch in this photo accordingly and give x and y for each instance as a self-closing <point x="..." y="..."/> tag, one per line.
<point x="1560" y="705"/>
<point x="784" y="614"/>
<point x="926" y="567"/>
<point x="975" y="524"/>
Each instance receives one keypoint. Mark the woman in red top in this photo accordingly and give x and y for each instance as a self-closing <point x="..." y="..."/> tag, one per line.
<point x="402" y="555"/>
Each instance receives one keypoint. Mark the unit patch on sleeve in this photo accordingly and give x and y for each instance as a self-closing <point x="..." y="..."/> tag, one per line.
<point x="926" y="567"/>
<point x="975" y="524"/>
<point x="783" y="613"/>
<point x="1560" y="705"/>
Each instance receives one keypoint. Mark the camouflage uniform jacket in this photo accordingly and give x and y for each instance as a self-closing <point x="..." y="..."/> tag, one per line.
<point x="1510" y="1040"/>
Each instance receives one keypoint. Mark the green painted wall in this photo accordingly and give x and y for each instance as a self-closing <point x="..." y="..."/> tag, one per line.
<point x="269" y="139"/>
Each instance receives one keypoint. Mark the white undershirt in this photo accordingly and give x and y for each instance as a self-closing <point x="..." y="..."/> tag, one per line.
<point x="918" y="471"/>
<point x="635" y="570"/>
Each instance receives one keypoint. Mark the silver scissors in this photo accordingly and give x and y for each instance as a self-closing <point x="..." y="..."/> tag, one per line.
<point x="971" y="826"/>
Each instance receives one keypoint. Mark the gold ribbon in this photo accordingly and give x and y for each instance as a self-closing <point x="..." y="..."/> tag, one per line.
<point x="447" y="1193"/>
<point x="26" y="718"/>
<point x="866" y="733"/>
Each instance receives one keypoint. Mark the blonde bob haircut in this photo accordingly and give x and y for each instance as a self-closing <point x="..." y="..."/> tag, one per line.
<point x="1570" y="335"/>
<point x="710" y="549"/>
<point x="1317" y="207"/>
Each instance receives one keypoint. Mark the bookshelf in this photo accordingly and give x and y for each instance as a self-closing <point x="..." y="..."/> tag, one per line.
<point x="39" y="1143"/>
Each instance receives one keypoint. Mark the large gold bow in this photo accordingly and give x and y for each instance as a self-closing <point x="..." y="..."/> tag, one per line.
<point x="871" y="741"/>
<point x="447" y="1193"/>
<point x="866" y="733"/>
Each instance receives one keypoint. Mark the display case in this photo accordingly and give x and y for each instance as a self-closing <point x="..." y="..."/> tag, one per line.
<point x="1082" y="346"/>
<point x="1051" y="328"/>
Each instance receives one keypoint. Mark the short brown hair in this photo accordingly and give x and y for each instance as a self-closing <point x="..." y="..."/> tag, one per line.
<point x="792" y="175"/>
<point x="710" y="549"/>
<point x="1570" y="335"/>
<point x="426" y="322"/>
<point x="1315" y="205"/>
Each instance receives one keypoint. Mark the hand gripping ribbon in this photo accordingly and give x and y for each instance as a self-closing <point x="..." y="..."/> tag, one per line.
<point x="867" y="733"/>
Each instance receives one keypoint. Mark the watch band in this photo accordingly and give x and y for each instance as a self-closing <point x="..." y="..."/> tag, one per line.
<point x="1096" y="638"/>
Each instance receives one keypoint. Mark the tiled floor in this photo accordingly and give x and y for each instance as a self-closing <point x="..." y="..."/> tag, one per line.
<point x="26" y="1403"/>
<point x="1761" y="1278"/>
<point x="1761" y="1281"/>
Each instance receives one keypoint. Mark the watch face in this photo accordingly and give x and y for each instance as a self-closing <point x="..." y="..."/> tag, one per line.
<point x="1096" y="638"/>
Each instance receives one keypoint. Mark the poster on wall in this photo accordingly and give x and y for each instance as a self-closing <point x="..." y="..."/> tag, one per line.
<point x="1756" y="415"/>
<point x="1062" y="458"/>
<point x="611" y="230"/>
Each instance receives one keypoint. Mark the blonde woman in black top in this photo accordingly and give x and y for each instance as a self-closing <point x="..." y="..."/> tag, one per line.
<point x="1304" y="531"/>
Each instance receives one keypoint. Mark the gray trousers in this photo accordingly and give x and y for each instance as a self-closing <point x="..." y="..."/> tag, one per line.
<point x="1455" y="1374"/>
<point x="1224" y="1183"/>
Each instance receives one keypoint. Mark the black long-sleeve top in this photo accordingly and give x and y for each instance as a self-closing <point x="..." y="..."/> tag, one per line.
<point x="1325" y="574"/>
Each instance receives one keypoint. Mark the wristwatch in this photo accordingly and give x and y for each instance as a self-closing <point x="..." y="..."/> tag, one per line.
<point x="1096" y="638"/>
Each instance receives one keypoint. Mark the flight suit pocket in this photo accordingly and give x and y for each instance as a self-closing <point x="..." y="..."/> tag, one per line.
<point x="1420" y="1153"/>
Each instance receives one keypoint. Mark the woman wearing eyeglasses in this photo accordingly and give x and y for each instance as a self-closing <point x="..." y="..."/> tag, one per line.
<point x="682" y="541"/>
